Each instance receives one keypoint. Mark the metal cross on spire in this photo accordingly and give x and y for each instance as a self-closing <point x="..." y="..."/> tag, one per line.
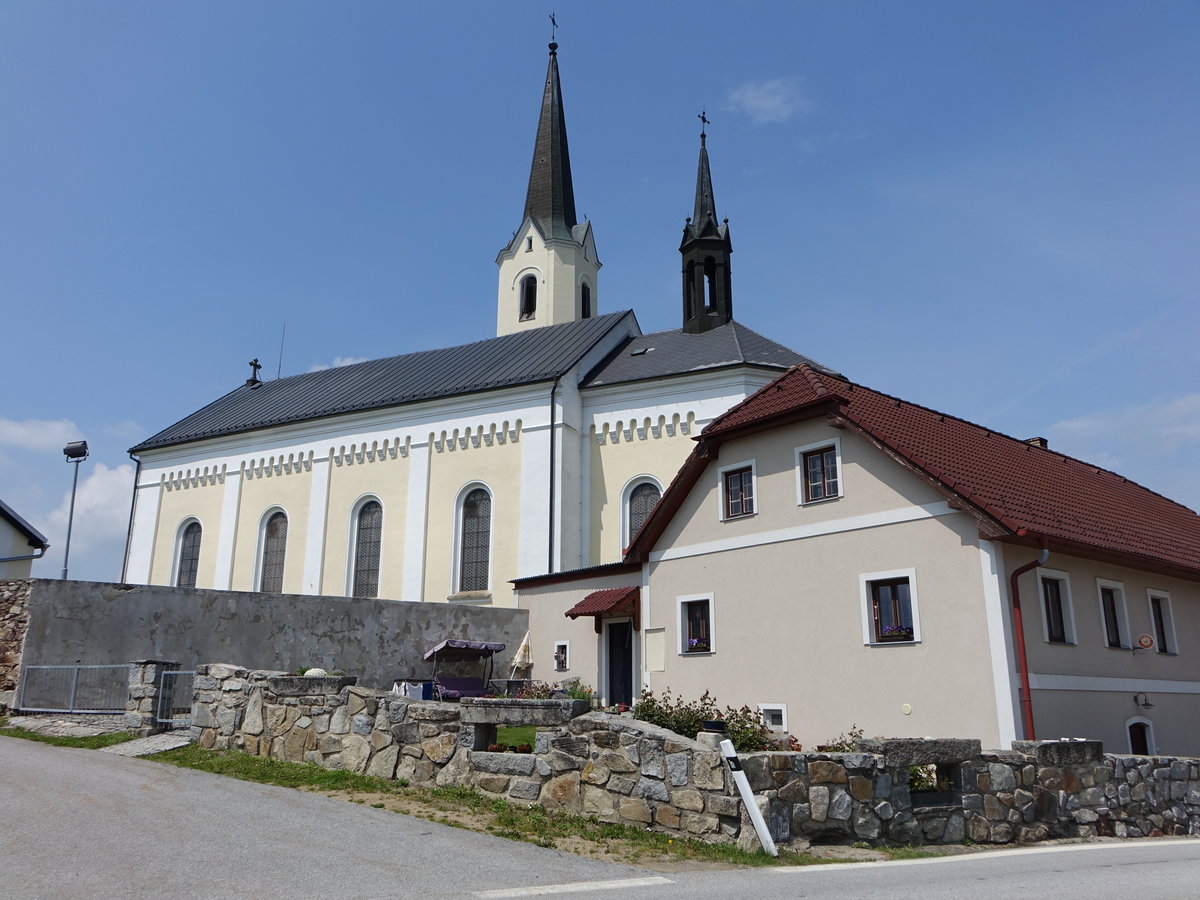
<point x="704" y="122"/>
<point x="553" y="27"/>
<point x="255" y="365"/>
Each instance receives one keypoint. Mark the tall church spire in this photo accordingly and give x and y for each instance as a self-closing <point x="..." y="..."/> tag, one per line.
<point x="550" y="200"/>
<point x="548" y="271"/>
<point x="706" y="248"/>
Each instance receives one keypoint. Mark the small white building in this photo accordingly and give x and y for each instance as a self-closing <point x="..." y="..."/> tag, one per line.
<point x="20" y="544"/>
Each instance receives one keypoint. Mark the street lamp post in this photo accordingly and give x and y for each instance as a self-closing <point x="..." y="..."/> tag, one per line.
<point x="75" y="452"/>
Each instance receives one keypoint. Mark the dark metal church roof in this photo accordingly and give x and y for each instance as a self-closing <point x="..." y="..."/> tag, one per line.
<point x="527" y="357"/>
<point x="675" y="352"/>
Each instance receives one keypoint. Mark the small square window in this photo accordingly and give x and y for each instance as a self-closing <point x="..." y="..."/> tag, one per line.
<point x="890" y="607"/>
<point x="695" y="624"/>
<point x="562" y="656"/>
<point x="819" y="474"/>
<point x="737" y="492"/>
<point x="774" y="716"/>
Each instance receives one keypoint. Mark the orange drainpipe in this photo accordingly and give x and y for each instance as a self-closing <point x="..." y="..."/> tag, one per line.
<point x="1018" y="628"/>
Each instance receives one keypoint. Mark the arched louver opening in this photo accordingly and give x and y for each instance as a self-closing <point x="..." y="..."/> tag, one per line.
<point x="368" y="538"/>
<point x="476" y="541"/>
<point x="189" y="556"/>
<point x="528" y="297"/>
<point x="274" y="548"/>
<point x="642" y="500"/>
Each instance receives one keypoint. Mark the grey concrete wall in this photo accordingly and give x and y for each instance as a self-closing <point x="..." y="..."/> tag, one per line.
<point x="376" y="640"/>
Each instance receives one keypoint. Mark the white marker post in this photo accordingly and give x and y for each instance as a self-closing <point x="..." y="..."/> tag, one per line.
<point x="743" y="786"/>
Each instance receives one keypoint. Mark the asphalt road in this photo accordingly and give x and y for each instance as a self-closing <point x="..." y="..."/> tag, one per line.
<point x="82" y="824"/>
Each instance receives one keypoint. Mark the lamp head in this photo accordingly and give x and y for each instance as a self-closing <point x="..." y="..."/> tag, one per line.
<point x="76" y="451"/>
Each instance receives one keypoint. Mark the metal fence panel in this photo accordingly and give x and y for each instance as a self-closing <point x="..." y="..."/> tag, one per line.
<point x="74" y="689"/>
<point x="175" y="699"/>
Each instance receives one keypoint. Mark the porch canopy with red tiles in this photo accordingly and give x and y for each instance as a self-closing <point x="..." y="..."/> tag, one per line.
<point x="623" y="601"/>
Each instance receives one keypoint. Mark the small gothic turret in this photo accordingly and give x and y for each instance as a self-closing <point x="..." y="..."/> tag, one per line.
<point x="548" y="271"/>
<point x="706" y="248"/>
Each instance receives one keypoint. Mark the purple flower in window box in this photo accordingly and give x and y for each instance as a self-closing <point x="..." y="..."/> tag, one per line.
<point x="697" y="645"/>
<point x="897" y="633"/>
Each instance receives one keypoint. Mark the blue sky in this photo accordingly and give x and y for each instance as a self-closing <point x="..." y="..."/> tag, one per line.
<point x="987" y="208"/>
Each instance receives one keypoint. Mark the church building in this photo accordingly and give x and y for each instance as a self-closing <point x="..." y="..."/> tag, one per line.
<point x="442" y="475"/>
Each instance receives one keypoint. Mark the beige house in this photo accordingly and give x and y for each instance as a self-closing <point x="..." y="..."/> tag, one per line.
<point x="442" y="475"/>
<point x="838" y="557"/>
<point x="20" y="544"/>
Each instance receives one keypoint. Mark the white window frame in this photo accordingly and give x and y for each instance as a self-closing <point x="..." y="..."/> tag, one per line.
<point x="867" y="609"/>
<point x="262" y="544"/>
<point x="1151" y="741"/>
<point x="1118" y="589"/>
<point x="746" y="463"/>
<point x="176" y="556"/>
<point x="1064" y="580"/>
<point x="456" y="554"/>
<point x="626" y="497"/>
<point x="566" y="647"/>
<point x="780" y="708"/>
<point x="802" y="476"/>
<point x="1168" y="620"/>
<point x="681" y="624"/>
<point x="352" y="539"/>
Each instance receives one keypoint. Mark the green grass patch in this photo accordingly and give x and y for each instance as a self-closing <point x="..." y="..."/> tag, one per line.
<point x="516" y="736"/>
<point x="94" y="742"/>
<point x="273" y="771"/>
<point x="908" y="852"/>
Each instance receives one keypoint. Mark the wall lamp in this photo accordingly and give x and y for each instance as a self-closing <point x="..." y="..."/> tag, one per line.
<point x="1140" y="699"/>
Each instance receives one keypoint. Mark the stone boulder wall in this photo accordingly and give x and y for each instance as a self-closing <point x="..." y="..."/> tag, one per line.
<point x="622" y="770"/>
<point x="611" y="767"/>
<point x="14" y="621"/>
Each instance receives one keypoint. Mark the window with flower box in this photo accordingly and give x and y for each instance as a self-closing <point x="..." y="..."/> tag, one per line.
<point x="696" y="624"/>
<point x="890" y="607"/>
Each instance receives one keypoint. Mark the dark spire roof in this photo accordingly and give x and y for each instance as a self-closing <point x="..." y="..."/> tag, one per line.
<point x="551" y="197"/>
<point x="704" y="215"/>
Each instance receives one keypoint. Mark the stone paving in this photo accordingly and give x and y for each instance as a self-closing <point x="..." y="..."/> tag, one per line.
<point x="156" y="743"/>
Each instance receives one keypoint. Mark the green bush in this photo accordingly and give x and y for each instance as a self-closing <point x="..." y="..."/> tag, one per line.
<point x="744" y="725"/>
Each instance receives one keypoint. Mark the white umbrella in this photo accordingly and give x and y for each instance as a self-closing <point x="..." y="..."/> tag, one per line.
<point x="524" y="656"/>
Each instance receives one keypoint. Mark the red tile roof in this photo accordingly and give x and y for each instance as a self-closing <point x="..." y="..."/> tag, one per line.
<point x="1016" y="488"/>
<point x="598" y="603"/>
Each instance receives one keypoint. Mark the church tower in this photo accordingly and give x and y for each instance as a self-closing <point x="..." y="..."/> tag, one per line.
<point x="548" y="272"/>
<point x="706" y="248"/>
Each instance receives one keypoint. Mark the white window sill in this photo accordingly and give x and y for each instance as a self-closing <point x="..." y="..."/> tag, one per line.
<point x="819" y="502"/>
<point x="892" y="643"/>
<point x="478" y="597"/>
<point x="740" y="518"/>
<point x="696" y="652"/>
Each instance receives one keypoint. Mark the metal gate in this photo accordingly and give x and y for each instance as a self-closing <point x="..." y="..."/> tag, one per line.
<point x="175" y="699"/>
<point x="74" y="689"/>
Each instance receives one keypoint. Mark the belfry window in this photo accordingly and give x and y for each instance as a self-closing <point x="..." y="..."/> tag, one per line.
<point x="585" y="301"/>
<point x="528" y="297"/>
<point x="368" y="536"/>
<point x="274" y="547"/>
<point x="690" y="290"/>
<point x="475" y="549"/>
<point x="710" y="283"/>
<point x="189" y="556"/>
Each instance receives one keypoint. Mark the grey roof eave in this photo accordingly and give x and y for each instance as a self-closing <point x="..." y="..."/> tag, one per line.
<point x="35" y="538"/>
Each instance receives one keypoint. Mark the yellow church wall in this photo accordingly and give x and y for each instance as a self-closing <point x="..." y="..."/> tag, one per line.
<point x="183" y="499"/>
<point x="614" y="466"/>
<point x="387" y="480"/>
<point x="450" y="472"/>
<point x="261" y="492"/>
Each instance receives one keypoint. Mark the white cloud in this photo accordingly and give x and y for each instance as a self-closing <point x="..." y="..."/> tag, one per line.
<point x="773" y="100"/>
<point x="338" y="362"/>
<point x="101" y="508"/>
<point x="38" y="434"/>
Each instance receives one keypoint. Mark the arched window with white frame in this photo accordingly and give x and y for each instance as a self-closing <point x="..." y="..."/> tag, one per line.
<point x="474" y="539"/>
<point x="187" y="556"/>
<point x="274" y="551"/>
<point x="366" y="550"/>
<point x="1140" y="731"/>
<point x="641" y="495"/>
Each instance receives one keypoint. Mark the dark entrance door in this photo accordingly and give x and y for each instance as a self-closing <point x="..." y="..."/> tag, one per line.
<point x="1139" y="739"/>
<point x="620" y="662"/>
